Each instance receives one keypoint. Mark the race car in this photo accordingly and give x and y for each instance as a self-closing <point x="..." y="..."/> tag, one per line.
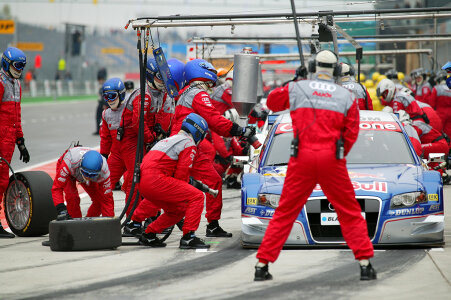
<point x="401" y="199"/>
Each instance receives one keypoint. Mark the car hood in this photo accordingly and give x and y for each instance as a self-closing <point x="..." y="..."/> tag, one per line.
<point x="382" y="180"/>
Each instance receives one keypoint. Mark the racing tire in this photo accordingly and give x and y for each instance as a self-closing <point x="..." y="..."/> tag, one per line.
<point x="85" y="234"/>
<point x="28" y="204"/>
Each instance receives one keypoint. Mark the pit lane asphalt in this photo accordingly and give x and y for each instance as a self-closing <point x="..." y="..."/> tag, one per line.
<point x="29" y="270"/>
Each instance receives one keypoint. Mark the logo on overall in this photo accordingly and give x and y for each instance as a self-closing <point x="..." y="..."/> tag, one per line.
<point x="322" y="86"/>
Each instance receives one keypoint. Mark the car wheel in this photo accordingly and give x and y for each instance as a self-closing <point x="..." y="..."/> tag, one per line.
<point x="85" y="234"/>
<point x="28" y="203"/>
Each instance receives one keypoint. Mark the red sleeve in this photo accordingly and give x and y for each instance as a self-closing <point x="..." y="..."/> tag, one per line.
<point x="19" y="132"/>
<point x="62" y="177"/>
<point x="148" y="136"/>
<point x="432" y="100"/>
<point x="351" y="128"/>
<point x="202" y="105"/>
<point x="105" y="137"/>
<point x="219" y="144"/>
<point x="414" y="110"/>
<point x="279" y="99"/>
<point x="227" y="97"/>
<point x="370" y="101"/>
<point x="184" y="163"/>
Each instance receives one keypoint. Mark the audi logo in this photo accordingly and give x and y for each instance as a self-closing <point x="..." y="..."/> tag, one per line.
<point x="331" y="207"/>
<point x="349" y="86"/>
<point x="315" y="85"/>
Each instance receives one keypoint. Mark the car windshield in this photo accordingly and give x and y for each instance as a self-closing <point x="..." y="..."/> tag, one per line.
<point x="371" y="147"/>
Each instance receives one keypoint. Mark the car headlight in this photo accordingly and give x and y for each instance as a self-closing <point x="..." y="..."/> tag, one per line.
<point x="269" y="200"/>
<point x="407" y="199"/>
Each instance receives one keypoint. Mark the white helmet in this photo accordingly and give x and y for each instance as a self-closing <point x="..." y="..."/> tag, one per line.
<point x="232" y="115"/>
<point x="326" y="61"/>
<point x="346" y="70"/>
<point x="385" y="91"/>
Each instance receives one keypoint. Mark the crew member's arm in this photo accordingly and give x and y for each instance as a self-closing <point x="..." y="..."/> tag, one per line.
<point x="370" y="101"/>
<point x="19" y="132"/>
<point x="62" y="178"/>
<point x="148" y="135"/>
<point x="185" y="162"/>
<point x="351" y="125"/>
<point x="279" y="99"/>
<point x="202" y="105"/>
<point x="219" y="144"/>
<point x="105" y="137"/>
<point x="432" y="100"/>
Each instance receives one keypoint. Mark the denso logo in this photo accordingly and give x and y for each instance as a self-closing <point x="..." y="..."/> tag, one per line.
<point x="315" y="85"/>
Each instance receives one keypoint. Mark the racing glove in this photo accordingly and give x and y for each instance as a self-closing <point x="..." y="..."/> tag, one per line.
<point x="161" y="134"/>
<point x="24" y="155"/>
<point x="105" y="155"/>
<point x="62" y="213"/>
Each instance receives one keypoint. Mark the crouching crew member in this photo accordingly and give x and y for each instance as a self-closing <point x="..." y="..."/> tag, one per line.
<point x="89" y="168"/>
<point x="325" y="126"/>
<point x="165" y="173"/>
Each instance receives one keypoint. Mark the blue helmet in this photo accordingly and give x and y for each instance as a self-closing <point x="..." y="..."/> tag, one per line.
<point x="112" y="88"/>
<point x="196" y="125"/>
<point x="447" y="68"/>
<point x="13" y="57"/>
<point x="152" y="70"/>
<point x="91" y="164"/>
<point x="200" y="70"/>
<point x="176" y="67"/>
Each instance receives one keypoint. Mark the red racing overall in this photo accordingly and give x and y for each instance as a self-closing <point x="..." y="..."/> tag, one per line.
<point x="121" y="154"/>
<point x="165" y="171"/>
<point x="195" y="100"/>
<point x="10" y="124"/>
<point x="322" y="112"/>
<point x="440" y="100"/>
<point x="68" y="174"/>
<point x="360" y="92"/>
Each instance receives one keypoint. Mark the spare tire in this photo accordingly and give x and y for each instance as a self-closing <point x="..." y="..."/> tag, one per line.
<point x="28" y="203"/>
<point x="85" y="234"/>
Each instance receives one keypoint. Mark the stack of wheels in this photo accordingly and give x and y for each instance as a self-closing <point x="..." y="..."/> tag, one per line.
<point x="85" y="234"/>
<point x="28" y="203"/>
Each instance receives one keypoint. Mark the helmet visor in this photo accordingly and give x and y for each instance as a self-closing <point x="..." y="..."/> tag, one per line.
<point x="110" y="96"/>
<point x="18" y="65"/>
<point x="89" y="174"/>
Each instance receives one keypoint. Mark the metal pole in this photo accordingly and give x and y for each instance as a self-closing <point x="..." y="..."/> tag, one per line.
<point x="298" y="36"/>
<point x="389" y="36"/>
<point x="435" y="46"/>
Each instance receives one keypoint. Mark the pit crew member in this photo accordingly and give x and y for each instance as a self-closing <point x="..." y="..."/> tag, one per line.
<point x="325" y="126"/>
<point x="420" y="87"/>
<point x="360" y="92"/>
<point x="440" y="100"/>
<point x="13" y="63"/>
<point x="90" y="169"/>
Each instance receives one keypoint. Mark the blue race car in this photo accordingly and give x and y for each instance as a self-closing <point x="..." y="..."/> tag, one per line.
<point x="401" y="200"/>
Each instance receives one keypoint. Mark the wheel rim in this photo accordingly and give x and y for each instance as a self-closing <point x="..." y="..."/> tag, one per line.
<point x="17" y="205"/>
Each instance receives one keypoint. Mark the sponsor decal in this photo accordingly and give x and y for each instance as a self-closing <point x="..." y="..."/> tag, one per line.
<point x="251" y="201"/>
<point x="317" y="85"/>
<point x="406" y="211"/>
<point x="434" y="207"/>
<point x="269" y="213"/>
<point x="353" y="175"/>
<point x="432" y="197"/>
<point x="284" y="127"/>
<point x="379" y="125"/>
<point x="206" y="100"/>
<point x="332" y="218"/>
<point x="375" y="186"/>
<point x="250" y="210"/>
<point x="61" y="179"/>
<point x="315" y="93"/>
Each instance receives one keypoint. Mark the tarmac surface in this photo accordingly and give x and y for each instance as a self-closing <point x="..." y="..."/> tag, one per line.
<point x="29" y="270"/>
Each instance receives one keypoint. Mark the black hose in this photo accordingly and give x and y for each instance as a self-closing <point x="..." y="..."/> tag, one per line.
<point x="140" y="143"/>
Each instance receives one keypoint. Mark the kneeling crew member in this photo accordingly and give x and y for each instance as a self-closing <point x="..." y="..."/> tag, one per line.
<point x="165" y="173"/>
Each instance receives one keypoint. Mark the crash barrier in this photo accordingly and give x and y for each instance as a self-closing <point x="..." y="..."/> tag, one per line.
<point x="58" y="88"/>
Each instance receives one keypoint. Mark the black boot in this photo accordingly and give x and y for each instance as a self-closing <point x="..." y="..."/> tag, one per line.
<point x="262" y="272"/>
<point x="132" y="228"/>
<point x="150" y="239"/>
<point x="367" y="272"/>
<point x="5" y="234"/>
<point x="214" y="230"/>
<point x="191" y="241"/>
